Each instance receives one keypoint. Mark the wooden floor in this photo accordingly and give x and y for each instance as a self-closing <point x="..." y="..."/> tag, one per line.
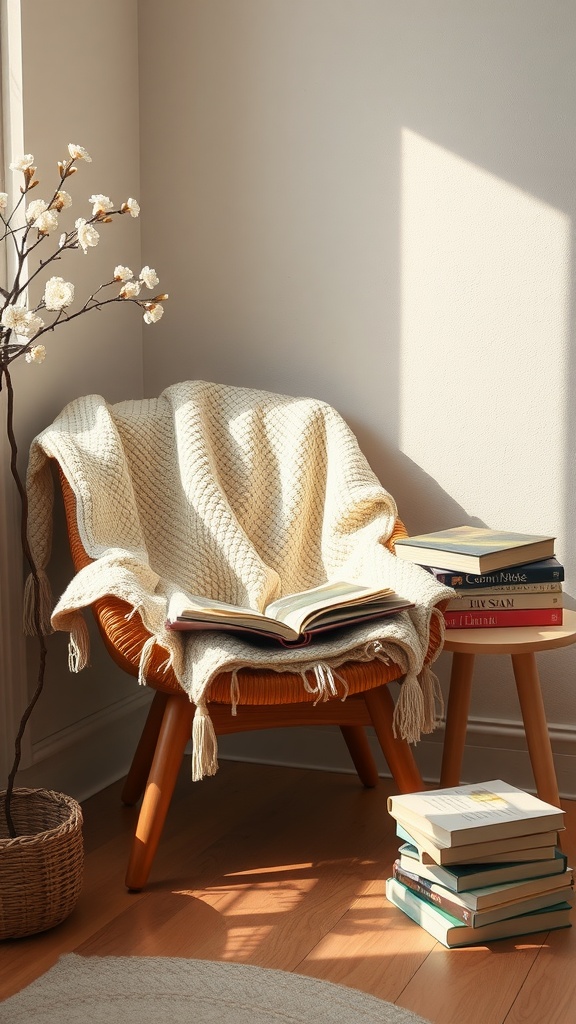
<point x="285" y="868"/>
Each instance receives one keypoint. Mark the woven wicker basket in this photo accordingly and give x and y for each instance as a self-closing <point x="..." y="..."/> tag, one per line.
<point x="41" y="869"/>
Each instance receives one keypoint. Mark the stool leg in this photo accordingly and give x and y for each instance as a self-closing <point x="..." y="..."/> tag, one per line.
<point x="359" y="750"/>
<point x="535" y="727"/>
<point x="456" y="718"/>
<point x="397" y="752"/>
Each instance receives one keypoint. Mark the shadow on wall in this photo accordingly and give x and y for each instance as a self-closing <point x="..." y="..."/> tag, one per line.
<point x="423" y="505"/>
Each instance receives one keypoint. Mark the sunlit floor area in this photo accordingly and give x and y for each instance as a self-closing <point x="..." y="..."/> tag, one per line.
<point x="285" y="868"/>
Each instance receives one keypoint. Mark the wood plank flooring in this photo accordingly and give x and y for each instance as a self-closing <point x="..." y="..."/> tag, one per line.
<point x="285" y="868"/>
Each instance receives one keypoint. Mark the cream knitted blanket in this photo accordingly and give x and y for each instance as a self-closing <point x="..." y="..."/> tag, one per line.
<point x="238" y="495"/>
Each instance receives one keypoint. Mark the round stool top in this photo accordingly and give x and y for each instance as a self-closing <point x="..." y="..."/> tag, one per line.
<point x="513" y="639"/>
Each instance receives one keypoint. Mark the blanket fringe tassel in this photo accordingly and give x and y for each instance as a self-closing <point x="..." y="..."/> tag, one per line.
<point x="433" y="699"/>
<point x="78" y="644"/>
<point x="419" y="706"/>
<point x="43" y="608"/>
<point x="145" y="659"/>
<point x="325" y="687"/>
<point x="234" y="692"/>
<point x="204" y="745"/>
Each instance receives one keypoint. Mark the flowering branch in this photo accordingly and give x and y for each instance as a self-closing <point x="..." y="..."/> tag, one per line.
<point x="21" y="327"/>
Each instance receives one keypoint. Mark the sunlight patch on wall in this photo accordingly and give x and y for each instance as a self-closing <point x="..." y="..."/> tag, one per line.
<point x="485" y="305"/>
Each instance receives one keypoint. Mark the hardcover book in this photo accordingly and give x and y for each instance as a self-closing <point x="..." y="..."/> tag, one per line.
<point x="499" y="910"/>
<point x="503" y="618"/>
<point x="473" y="813"/>
<point x="474" y="549"/>
<point x="452" y="933"/>
<point x="527" y="848"/>
<point x="547" y="570"/>
<point x="466" y="877"/>
<point x="499" y="600"/>
<point x="292" y="620"/>
<point x="486" y="897"/>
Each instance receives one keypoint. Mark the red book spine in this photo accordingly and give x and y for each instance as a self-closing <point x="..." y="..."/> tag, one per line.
<point x="506" y="617"/>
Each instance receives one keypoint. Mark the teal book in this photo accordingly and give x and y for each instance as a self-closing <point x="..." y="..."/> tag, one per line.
<point x="468" y="877"/>
<point x="453" y="933"/>
<point x="474" y="549"/>
<point x="499" y="903"/>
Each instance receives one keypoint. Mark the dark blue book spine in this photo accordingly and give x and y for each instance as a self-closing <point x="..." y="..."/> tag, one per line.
<point x="549" y="570"/>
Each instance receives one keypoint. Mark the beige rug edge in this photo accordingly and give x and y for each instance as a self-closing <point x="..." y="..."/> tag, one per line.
<point x="146" y="990"/>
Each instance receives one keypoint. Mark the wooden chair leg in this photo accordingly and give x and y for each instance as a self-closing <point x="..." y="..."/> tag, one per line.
<point x="175" y="732"/>
<point x="135" y="782"/>
<point x="359" y="749"/>
<point x="397" y="752"/>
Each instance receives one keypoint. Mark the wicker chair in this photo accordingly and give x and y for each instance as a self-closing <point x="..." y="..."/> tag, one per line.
<point x="268" y="700"/>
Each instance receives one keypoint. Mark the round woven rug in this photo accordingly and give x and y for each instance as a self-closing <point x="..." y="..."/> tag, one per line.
<point x="151" y="990"/>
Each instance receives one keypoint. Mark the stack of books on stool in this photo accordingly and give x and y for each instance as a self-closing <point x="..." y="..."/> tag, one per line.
<point x="480" y="862"/>
<point x="500" y="578"/>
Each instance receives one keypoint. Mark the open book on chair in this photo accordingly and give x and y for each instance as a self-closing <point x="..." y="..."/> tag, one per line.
<point x="294" y="619"/>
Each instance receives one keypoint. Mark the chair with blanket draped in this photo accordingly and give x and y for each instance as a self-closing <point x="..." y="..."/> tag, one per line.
<point x="269" y="467"/>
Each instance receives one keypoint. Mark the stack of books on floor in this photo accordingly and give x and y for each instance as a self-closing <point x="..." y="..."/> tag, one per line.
<point x="480" y="862"/>
<point x="500" y="578"/>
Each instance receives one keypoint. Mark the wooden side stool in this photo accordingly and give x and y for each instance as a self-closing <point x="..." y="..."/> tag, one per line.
<point x="521" y="643"/>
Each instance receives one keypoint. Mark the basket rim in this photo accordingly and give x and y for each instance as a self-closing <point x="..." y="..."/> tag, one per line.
<point x="70" y="823"/>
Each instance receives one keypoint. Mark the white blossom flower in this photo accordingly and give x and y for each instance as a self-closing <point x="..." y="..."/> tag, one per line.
<point x="122" y="273"/>
<point x="149" y="277"/>
<point x="21" y="320"/>
<point x="153" y="312"/>
<point x="58" y="293"/>
<point x="79" y="153"/>
<point x="131" y="207"/>
<point x="102" y="204"/>
<point x="21" y="328"/>
<point x="87" y="234"/>
<point x="35" y="208"/>
<point x="36" y="354"/>
<point x="41" y="217"/>
<point x="23" y="164"/>
<point x="47" y="222"/>
<point x="62" y="200"/>
<point x="130" y="290"/>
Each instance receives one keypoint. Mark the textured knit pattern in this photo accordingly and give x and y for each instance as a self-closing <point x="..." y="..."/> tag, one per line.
<point x="237" y="495"/>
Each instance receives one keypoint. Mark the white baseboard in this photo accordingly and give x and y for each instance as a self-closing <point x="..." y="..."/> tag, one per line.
<point x="91" y="754"/>
<point x="95" y="752"/>
<point x="493" y="751"/>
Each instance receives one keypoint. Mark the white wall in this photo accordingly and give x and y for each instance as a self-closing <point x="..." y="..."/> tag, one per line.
<point x="372" y="202"/>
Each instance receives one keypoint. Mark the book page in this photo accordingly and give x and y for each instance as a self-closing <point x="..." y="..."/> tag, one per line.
<point x="290" y="616"/>
<point x="206" y="607"/>
<point x="295" y="609"/>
